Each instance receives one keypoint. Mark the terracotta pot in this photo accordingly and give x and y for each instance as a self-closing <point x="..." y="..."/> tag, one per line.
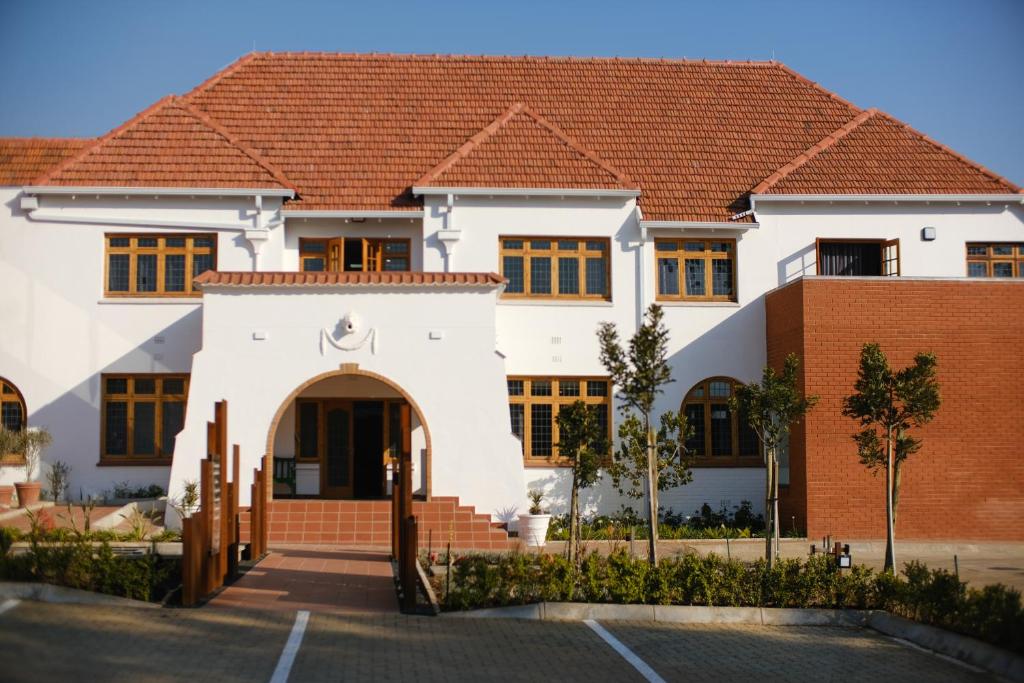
<point x="5" y="496"/>
<point x="28" y="492"/>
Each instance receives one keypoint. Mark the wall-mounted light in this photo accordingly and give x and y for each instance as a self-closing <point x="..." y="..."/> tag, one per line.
<point x="928" y="234"/>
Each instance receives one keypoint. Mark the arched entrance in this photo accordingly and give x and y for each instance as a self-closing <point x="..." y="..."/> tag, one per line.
<point x="337" y="435"/>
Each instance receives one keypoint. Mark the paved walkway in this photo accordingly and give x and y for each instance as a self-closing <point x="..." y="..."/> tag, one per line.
<point x="316" y="578"/>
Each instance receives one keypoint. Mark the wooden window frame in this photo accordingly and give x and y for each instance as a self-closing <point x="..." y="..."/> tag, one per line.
<point x="13" y="396"/>
<point x="161" y="251"/>
<point x="889" y="254"/>
<point x="158" y="397"/>
<point x="333" y="253"/>
<point x="1015" y="259"/>
<point x="556" y="401"/>
<point x="707" y="460"/>
<point x="681" y="256"/>
<point x="581" y="253"/>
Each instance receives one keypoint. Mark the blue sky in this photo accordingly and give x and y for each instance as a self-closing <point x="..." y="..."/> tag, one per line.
<point x="951" y="68"/>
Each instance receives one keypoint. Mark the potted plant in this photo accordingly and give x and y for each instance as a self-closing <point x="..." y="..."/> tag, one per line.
<point x="33" y="441"/>
<point x="533" y="527"/>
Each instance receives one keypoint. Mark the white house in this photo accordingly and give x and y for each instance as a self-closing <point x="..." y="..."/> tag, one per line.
<point x="320" y="238"/>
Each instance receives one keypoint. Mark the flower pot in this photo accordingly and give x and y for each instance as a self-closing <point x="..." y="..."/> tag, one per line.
<point x="533" y="529"/>
<point x="6" y="492"/>
<point x="28" y="492"/>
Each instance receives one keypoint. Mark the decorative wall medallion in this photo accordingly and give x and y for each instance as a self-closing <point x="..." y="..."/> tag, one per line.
<point x="349" y="335"/>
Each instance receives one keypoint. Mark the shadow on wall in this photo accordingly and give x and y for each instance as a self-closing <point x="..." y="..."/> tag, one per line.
<point x="557" y="488"/>
<point x="798" y="264"/>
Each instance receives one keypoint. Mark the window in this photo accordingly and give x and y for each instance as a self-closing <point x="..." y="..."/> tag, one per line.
<point x="696" y="269"/>
<point x="357" y="254"/>
<point x="720" y="436"/>
<point x="556" y="267"/>
<point x="534" y="402"/>
<point x="157" y="265"/>
<point x="13" y="416"/>
<point x="995" y="260"/>
<point x="141" y="416"/>
<point x="858" y="257"/>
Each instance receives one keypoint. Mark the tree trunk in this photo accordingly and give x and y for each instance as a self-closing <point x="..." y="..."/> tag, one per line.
<point x="769" y="509"/>
<point x="890" y="550"/>
<point x="775" y="505"/>
<point x="897" y="471"/>
<point x="574" y="522"/>
<point x="652" y="497"/>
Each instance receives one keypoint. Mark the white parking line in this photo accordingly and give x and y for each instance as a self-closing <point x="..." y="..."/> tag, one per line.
<point x="951" y="660"/>
<point x="8" y="605"/>
<point x="291" y="648"/>
<point x="640" y="665"/>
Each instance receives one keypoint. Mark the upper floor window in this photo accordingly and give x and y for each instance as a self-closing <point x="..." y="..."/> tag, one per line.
<point x="556" y="267"/>
<point x="157" y="265"/>
<point x="534" y="402"/>
<point x="720" y="436"/>
<point x="995" y="260"/>
<point x="858" y="257"/>
<point x="353" y="254"/>
<point x="696" y="269"/>
<point x="13" y="415"/>
<point x="141" y="416"/>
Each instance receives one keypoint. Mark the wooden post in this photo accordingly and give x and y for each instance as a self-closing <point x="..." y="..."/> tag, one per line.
<point x="396" y="517"/>
<point x="407" y="565"/>
<point x="233" y="514"/>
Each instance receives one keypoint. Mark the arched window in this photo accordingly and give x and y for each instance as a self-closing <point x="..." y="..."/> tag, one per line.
<point x="720" y="437"/>
<point x="12" y="414"/>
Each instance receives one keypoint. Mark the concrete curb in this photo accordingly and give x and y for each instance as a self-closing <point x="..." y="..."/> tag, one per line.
<point x="45" y="592"/>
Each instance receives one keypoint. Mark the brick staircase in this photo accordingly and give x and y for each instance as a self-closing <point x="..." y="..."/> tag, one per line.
<point x="368" y="523"/>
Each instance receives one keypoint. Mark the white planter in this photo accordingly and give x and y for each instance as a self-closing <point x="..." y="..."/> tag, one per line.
<point x="533" y="529"/>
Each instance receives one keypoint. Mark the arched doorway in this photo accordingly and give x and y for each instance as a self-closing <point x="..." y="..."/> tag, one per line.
<point x="337" y="435"/>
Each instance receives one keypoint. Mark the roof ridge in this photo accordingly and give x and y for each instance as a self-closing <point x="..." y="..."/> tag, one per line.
<point x="814" y="150"/>
<point x="42" y="138"/>
<point x="498" y="57"/>
<point x="223" y="73"/>
<point x="973" y="164"/>
<point x="97" y="142"/>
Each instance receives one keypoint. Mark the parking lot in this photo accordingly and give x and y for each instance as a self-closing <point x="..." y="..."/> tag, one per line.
<point x="92" y="643"/>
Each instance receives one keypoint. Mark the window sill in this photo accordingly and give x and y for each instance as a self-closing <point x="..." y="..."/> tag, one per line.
<point x="157" y="300"/>
<point x="134" y="462"/>
<point x="584" y="303"/>
<point x="672" y="303"/>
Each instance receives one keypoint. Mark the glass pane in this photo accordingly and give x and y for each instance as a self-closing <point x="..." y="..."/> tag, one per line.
<point x="666" y="246"/>
<point x="540" y="275"/>
<point x="568" y="276"/>
<point x="148" y="242"/>
<point x="695" y="277"/>
<point x="512" y="244"/>
<point x="395" y="429"/>
<point x="117" y="385"/>
<point x="120" y="241"/>
<point x="174" y="386"/>
<point x="976" y="269"/>
<point x="1002" y="270"/>
<point x="6" y="388"/>
<point x="118" y="266"/>
<point x="396" y="248"/>
<point x="721" y="277"/>
<point x="174" y="273"/>
<point x="116" y="428"/>
<point x="596" y="245"/>
<point x="719" y="389"/>
<point x="175" y="242"/>
<point x="721" y="429"/>
<point x="145" y="385"/>
<point x="313" y="265"/>
<point x="568" y="245"/>
<point x="694" y="246"/>
<point x="201" y="263"/>
<point x="601" y="412"/>
<point x="145" y="273"/>
<point x="172" y="422"/>
<point x="595" y="388"/>
<point x="668" y="277"/>
<point x="1002" y="250"/>
<point x="512" y="269"/>
<point x="721" y="247"/>
<point x="309" y="430"/>
<point x="337" y="447"/>
<point x="695" y="418"/>
<point x="597" y="280"/>
<point x="12" y="417"/>
<point x="749" y="444"/>
<point x="517" y="414"/>
<point x="568" y="387"/>
<point x="313" y="246"/>
<point x="396" y="263"/>
<point x="540" y="387"/>
<point x="977" y="249"/>
<point x="540" y="430"/>
<point x="541" y="245"/>
<point x="202" y="242"/>
<point x="515" y="387"/>
<point x="144" y="428"/>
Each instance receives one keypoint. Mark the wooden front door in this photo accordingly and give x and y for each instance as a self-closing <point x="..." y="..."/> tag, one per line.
<point x="336" y="476"/>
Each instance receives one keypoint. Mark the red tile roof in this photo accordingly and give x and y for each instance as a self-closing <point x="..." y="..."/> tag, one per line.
<point x="304" y="279"/>
<point x="522" y="149"/>
<point x="24" y="159"/>
<point x="170" y="144"/>
<point x="876" y="154"/>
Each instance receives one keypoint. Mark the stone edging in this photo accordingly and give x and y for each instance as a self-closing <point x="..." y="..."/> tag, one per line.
<point x="963" y="648"/>
<point x="45" y="592"/>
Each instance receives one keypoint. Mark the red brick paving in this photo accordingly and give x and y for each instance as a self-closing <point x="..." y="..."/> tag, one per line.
<point x="318" y="578"/>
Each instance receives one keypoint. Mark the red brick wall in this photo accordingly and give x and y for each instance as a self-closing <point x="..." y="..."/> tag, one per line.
<point x="967" y="482"/>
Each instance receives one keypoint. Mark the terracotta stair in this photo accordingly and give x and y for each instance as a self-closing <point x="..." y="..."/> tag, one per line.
<point x="368" y="523"/>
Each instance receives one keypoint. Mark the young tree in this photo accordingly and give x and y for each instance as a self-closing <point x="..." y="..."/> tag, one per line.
<point x="645" y="455"/>
<point x="887" y="405"/>
<point x="772" y="408"/>
<point x="584" y="443"/>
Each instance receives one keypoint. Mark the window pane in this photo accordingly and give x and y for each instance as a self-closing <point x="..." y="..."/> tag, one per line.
<point x="313" y="265"/>
<point x="12" y="417"/>
<point x="517" y="415"/>
<point x="174" y="386"/>
<point x="666" y="246"/>
<point x="975" y="269"/>
<point x="540" y="275"/>
<point x="540" y="245"/>
<point x="396" y="248"/>
<point x="512" y="269"/>
<point x="396" y="263"/>
<point x="540" y="430"/>
<point x="145" y="385"/>
<point x="597" y="280"/>
<point x="117" y="385"/>
<point x="977" y="250"/>
<point x="568" y="276"/>
<point x="145" y="273"/>
<point x="596" y="245"/>
<point x="719" y="389"/>
<point x="117" y="272"/>
<point x="201" y="263"/>
<point x="721" y="277"/>
<point x="515" y="387"/>
<point x="177" y="242"/>
<point x="749" y="444"/>
<point x="568" y="245"/>
<point x="597" y="388"/>
<point x="172" y="422"/>
<point x="174" y="273"/>
<point x="1002" y="270"/>
<point x="568" y="387"/>
<point x="313" y="246"/>
<point x="695" y="418"/>
<point x="512" y="244"/>
<point x="694" y="246"/>
<point x="540" y="387"/>
<point x="601" y="412"/>
<point x="309" y="430"/>
<point x="148" y="242"/>
<point x="117" y="428"/>
<point x="120" y="242"/>
<point x="721" y="429"/>
<point x="668" y="277"/>
<point x="695" y="277"/>
<point x="1002" y="250"/>
<point x="202" y="242"/>
<point x="721" y="247"/>
<point x="144" y="430"/>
